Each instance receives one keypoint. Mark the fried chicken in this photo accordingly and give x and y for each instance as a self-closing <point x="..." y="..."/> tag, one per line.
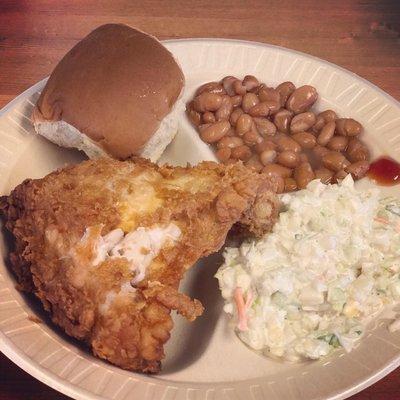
<point x="104" y="245"/>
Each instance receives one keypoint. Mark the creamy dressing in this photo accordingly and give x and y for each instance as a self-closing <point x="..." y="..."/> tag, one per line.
<point x="331" y="262"/>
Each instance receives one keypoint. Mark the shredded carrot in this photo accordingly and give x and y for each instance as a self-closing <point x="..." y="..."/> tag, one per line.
<point x="386" y="222"/>
<point x="241" y="309"/>
<point x="249" y="300"/>
<point x="382" y="220"/>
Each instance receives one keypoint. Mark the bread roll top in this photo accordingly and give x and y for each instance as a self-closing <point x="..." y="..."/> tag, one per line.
<point x="115" y="86"/>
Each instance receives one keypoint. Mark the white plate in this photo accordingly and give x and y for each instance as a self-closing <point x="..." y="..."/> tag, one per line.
<point x="204" y="359"/>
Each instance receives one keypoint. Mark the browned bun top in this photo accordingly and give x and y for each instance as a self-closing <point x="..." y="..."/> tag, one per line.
<point x="115" y="85"/>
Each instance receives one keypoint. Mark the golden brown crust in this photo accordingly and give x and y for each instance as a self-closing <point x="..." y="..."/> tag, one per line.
<point x="115" y="85"/>
<point x="58" y="220"/>
<point x="172" y="299"/>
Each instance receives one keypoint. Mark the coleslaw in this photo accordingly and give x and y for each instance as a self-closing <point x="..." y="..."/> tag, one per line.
<point x="331" y="262"/>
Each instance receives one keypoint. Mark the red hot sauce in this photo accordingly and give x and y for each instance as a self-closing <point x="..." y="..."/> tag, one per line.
<point x="385" y="171"/>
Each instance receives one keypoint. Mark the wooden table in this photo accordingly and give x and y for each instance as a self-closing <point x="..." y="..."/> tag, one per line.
<point x="362" y="36"/>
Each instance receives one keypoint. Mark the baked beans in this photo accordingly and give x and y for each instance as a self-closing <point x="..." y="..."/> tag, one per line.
<point x="275" y="131"/>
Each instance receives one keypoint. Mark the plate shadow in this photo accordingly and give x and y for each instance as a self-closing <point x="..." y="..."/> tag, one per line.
<point x="189" y="340"/>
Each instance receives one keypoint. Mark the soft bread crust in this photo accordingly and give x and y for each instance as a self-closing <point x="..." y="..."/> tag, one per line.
<point x="65" y="135"/>
<point x="115" y="86"/>
<point x="164" y="135"/>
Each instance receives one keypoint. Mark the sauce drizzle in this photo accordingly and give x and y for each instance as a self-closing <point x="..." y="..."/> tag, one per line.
<point x="385" y="171"/>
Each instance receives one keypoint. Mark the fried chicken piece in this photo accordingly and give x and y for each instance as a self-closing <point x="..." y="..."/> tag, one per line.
<point x="104" y="245"/>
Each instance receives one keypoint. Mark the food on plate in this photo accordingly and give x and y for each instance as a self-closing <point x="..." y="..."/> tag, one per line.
<point x="104" y="245"/>
<point x="115" y="93"/>
<point x="331" y="263"/>
<point x="275" y="130"/>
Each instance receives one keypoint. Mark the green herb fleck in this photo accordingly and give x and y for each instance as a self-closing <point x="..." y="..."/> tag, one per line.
<point x="394" y="209"/>
<point x="331" y="339"/>
<point x="334" y="342"/>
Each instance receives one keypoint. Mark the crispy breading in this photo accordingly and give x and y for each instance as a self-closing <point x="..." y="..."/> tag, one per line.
<point x="59" y="220"/>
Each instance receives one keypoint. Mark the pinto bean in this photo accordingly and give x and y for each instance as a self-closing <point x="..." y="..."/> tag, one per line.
<point x="268" y="156"/>
<point x="334" y="161"/>
<point x="325" y="175"/>
<point x="250" y="82"/>
<point x="319" y="124"/>
<point x="276" y="169"/>
<point x="239" y="88"/>
<point x="348" y="127"/>
<point x="303" y="158"/>
<point x="231" y="142"/>
<point x="210" y="87"/>
<point x="235" y="115"/>
<point x="227" y="84"/>
<point x="242" y="152"/>
<point x="208" y="117"/>
<point x="264" y="145"/>
<point x="249" y="101"/>
<point x="357" y="151"/>
<point x="328" y="115"/>
<point x="303" y="174"/>
<point x="194" y="117"/>
<point x="286" y="143"/>
<point x="302" y="122"/>
<point x="231" y="132"/>
<point x="285" y="89"/>
<point x="259" y="110"/>
<point x="273" y="106"/>
<point x="305" y="139"/>
<point x="318" y="152"/>
<point x="282" y="120"/>
<point x="236" y="101"/>
<point x="254" y="163"/>
<point x="326" y="133"/>
<point x="269" y="94"/>
<point x="288" y="158"/>
<point x="339" y="176"/>
<point x="223" y="154"/>
<point x="338" y="143"/>
<point x="302" y="99"/>
<point x="214" y="132"/>
<point x="290" y="185"/>
<point x="243" y="124"/>
<point x="207" y="102"/>
<point x="225" y="110"/>
<point x="251" y="138"/>
<point x="264" y="126"/>
<point x="358" y="169"/>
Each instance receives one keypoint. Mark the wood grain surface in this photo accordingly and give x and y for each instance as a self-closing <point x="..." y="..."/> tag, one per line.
<point x="362" y="36"/>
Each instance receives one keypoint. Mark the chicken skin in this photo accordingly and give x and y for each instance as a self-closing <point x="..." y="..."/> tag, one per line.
<point x="104" y="245"/>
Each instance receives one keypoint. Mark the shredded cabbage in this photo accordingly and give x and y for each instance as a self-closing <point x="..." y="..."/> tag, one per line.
<point x="331" y="262"/>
